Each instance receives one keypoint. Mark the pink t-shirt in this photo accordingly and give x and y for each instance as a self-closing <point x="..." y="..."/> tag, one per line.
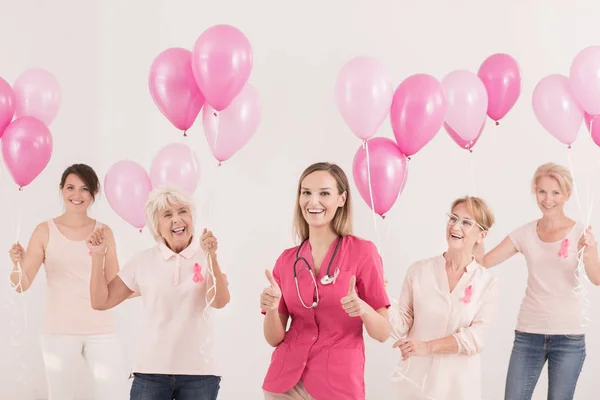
<point x="174" y="337"/>
<point x="324" y="346"/>
<point x="69" y="309"/>
<point x="551" y="305"/>
<point x="427" y="310"/>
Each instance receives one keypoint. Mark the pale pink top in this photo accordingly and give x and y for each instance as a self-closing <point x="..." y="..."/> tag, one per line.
<point x="324" y="346"/>
<point x="551" y="305"/>
<point x="174" y="337"/>
<point x="427" y="310"/>
<point x="69" y="309"/>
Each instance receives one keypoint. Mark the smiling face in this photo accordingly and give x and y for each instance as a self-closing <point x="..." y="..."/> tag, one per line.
<point x="319" y="199"/>
<point x="175" y="226"/>
<point x="549" y="196"/>
<point x="462" y="230"/>
<point x="76" y="194"/>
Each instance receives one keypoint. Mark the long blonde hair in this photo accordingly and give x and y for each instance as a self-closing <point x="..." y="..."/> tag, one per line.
<point x="342" y="221"/>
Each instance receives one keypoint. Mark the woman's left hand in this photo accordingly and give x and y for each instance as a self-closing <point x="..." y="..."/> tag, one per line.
<point x="410" y="348"/>
<point x="588" y="240"/>
<point x="209" y="243"/>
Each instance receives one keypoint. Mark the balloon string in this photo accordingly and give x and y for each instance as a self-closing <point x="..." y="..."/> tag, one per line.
<point x="366" y="146"/>
<point x="216" y="114"/>
<point x="472" y="172"/>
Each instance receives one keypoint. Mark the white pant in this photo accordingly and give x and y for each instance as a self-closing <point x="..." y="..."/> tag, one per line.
<point x="102" y="354"/>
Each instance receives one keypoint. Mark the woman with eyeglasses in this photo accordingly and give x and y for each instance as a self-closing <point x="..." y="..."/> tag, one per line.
<point x="445" y="308"/>
<point x="329" y="286"/>
<point x="550" y="325"/>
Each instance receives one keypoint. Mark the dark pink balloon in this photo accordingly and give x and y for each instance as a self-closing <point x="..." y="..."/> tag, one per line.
<point x="174" y="89"/>
<point x="417" y="112"/>
<point x="501" y="76"/>
<point x="388" y="173"/>
<point x="26" y="148"/>
<point x="595" y="127"/>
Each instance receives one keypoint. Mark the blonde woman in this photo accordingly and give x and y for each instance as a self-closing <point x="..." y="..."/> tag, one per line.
<point x="549" y="326"/>
<point x="330" y="287"/>
<point x="174" y="347"/>
<point x="445" y="309"/>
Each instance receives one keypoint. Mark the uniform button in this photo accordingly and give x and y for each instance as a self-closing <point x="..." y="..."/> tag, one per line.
<point x="314" y="338"/>
<point x="304" y="363"/>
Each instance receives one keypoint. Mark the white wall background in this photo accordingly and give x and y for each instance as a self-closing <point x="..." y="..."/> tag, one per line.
<point x="101" y="53"/>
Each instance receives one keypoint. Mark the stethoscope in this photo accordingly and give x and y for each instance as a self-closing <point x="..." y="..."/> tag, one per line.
<point x="325" y="280"/>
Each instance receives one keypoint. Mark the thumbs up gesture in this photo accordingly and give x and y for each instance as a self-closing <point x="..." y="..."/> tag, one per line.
<point x="351" y="303"/>
<point x="270" y="297"/>
<point x="96" y="242"/>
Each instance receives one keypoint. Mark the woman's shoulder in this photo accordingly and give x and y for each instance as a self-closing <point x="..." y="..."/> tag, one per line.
<point x="360" y="243"/>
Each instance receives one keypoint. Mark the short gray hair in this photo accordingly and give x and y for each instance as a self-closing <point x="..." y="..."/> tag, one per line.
<point x="159" y="199"/>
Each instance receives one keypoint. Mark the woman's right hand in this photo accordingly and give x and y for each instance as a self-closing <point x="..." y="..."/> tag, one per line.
<point x="96" y="242"/>
<point x="16" y="253"/>
<point x="270" y="297"/>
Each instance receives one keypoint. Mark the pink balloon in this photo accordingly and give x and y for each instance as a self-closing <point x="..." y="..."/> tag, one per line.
<point x="222" y="62"/>
<point x="501" y="76"/>
<point x="363" y="94"/>
<point x="460" y="141"/>
<point x="388" y="173"/>
<point x="228" y="131"/>
<point x="175" y="164"/>
<point x="26" y="148"/>
<point x="7" y="105"/>
<point x="584" y="78"/>
<point x="417" y="112"/>
<point x="556" y="109"/>
<point x="467" y="103"/>
<point x="38" y="95"/>
<point x="174" y="89"/>
<point x="593" y="128"/>
<point x="127" y="186"/>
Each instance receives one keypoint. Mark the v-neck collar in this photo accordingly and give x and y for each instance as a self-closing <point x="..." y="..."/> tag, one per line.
<point x="306" y="252"/>
<point x="461" y="282"/>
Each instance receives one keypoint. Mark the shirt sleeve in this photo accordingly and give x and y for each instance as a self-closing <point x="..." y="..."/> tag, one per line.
<point x="402" y="315"/>
<point x="128" y="275"/>
<point x="471" y="339"/>
<point x="516" y="237"/>
<point x="369" y="279"/>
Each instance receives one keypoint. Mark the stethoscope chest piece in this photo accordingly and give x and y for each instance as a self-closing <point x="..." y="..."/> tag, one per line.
<point x="326" y="280"/>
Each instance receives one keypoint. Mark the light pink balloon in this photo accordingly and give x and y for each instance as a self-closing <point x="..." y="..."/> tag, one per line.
<point x="174" y="89"/>
<point x="127" y="186"/>
<point x="593" y="128"/>
<point x="467" y="103"/>
<point x="26" y="149"/>
<point x="363" y="94"/>
<point x="501" y="76"/>
<point x="229" y="130"/>
<point x="388" y="173"/>
<point x="556" y="109"/>
<point x="221" y="62"/>
<point x="417" y="112"/>
<point x="584" y="78"/>
<point x="38" y="95"/>
<point x="464" y="144"/>
<point x="175" y="164"/>
<point x="7" y="105"/>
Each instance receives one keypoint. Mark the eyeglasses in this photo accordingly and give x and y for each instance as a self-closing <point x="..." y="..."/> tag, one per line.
<point x="465" y="223"/>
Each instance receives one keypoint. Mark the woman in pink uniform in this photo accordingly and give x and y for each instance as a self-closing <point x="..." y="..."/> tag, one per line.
<point x="445" y="309"/>
<point x="175" y="358"/>
<point x="550" y="324"/>
<point x="330" y="286"/>
<point x="72" y="329"/>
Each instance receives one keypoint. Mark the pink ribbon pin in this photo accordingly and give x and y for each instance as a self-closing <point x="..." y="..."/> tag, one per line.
<point x="564" y="249"/>
<point x="197" y="273"/>
<point x="467" y="296"/>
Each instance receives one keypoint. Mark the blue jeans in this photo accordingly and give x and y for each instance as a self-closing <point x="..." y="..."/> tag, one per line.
<point x="565" y="355"/>
<point x="178" y="387"/>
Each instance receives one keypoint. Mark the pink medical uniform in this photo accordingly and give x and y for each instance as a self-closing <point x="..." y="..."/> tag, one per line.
<point x="324" y="346"/>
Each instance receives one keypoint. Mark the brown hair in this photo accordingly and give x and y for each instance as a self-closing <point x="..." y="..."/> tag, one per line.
<point x="560" y="174"/>
<point x="86" y="174"/>
<point x="342" y="221"/>
<point x="478" y="208"/>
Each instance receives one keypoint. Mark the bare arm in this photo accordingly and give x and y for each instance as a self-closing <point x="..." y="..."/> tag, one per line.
<point x="222" y="296"/>
<point x="590" y="256"/>
<point x="377" y="323"/>
<point x="31" y="260"/>
<point x="105" y="294"/>
<point x="502" y="252"/>
<point x="275" y="321"/>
